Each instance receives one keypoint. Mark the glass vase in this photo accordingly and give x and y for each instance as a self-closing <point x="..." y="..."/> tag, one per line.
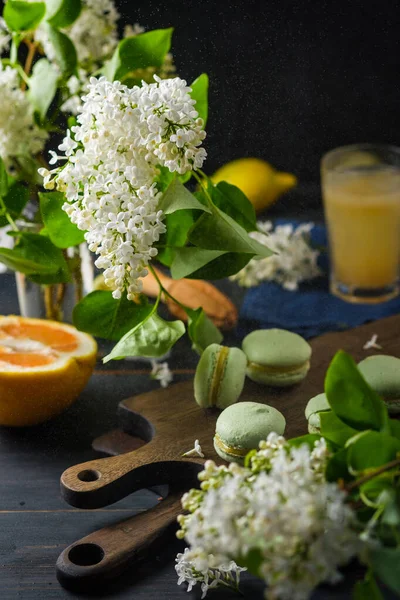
<point x="57" y="301"/>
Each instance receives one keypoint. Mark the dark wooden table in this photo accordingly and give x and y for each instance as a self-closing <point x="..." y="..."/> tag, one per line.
<point x="36" y="524"/>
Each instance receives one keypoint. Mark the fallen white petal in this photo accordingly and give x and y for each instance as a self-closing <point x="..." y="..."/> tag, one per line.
<point x="196" y="451"/>
<point x="372" y="343"/>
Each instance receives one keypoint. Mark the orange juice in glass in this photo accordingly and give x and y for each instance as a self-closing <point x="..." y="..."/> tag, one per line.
<point x="361" y="193"/>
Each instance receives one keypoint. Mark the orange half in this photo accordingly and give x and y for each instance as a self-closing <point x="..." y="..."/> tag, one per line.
<point x="44" y="366"/>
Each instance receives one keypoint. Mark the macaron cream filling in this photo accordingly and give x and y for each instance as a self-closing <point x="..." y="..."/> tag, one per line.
<point x="231" y="450"/>
<point x="218" y="375"/>
<point x="277" y="370"/>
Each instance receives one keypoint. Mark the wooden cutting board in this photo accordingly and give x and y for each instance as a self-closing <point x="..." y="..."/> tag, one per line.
<point x="169" y="421"/>
<point x="173" y="409"/>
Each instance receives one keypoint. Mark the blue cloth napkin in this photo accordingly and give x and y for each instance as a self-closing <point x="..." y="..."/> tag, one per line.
<point x="311" y="310"/>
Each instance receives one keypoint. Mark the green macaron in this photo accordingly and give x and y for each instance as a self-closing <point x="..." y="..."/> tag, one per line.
<point x="276" y="357"/>
<point x="314" y="407"/>
<point x="242" y="426"/>
<point x="382" y="373"/>
<point x="220" y="376"/>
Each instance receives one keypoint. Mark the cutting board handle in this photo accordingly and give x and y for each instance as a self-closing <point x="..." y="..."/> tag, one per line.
<point x="106" y="553"/>
<point x="103" y="481"/>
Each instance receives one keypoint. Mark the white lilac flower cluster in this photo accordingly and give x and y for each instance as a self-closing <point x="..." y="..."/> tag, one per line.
<point x="161" y="372"/>
<point x="280" y="510"/>
<point x="95" y="37"/>
<point x="295" y="261"/>
<point x="94" y="33"/>
<point x="194" y="567"/>
<point x="123" y="135"/>
<point x="19" y="135"/>
<point x="77" y="85"/>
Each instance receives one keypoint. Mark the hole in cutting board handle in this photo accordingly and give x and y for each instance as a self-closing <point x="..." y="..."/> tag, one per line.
<point x="89" y="475"/>
<point x="86" y="555"/>
<point x="135" y="424"/>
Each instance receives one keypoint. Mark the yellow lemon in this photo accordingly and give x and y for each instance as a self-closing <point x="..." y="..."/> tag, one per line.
<point x="100" y="284"/>
<point x="44" y="366"/>
<point x="257" y="179"/>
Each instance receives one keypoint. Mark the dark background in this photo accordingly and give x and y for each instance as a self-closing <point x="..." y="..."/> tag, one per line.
<point x="289" y="80"/>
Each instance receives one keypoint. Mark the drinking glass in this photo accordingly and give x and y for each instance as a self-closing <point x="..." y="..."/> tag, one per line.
<point x="361" y="194"/>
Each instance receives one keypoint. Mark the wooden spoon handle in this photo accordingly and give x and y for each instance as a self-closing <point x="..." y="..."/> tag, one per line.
<point x="106" y="553"/>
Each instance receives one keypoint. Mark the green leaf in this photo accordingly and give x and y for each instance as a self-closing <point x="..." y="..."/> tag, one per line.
<point x="308" y="439"/>
<point x="372" y="450"/>
<point x="371" y="490"/>
<point x="395" y="428"/>
<point x="101" y="315"/>
<point x="62" y="13"/>
<point x="231" y="200"/>
<point x="367" y="589"/>
<point x="385" y="564"/>
<point x="178" y="225"/>
<point x="28" y="169"/>
<point x="218" y="231"/>
<point x="337" y="467"/>
<point x="63" y="275"/>
<point x="196" y="263"/>
<point x="354" y="438"/>
<point x="46" y="250"/>
<point x="15" y="200"/>
<point x="33" y="254"/>
<point x="202" y="330"/>
<point x="3" y="179"/>
<point x="17" y="261"/>
<point x="42" y="86"/>
<point x="64" y="50"/>
<point x="61" y="231"/>
<point x="334" y="429"/>
<point x="351" y="398"/>
<point x="71" y="121"/>
<point x="177" y="197"/>
<point x="185" y="177"/>
<point x="23" y="16"/>
<point x="200" y="94"/>
<point x="153" y="337"/>
<point x="139" y="52"/>
<point x="391" y="513"/>
<point x="253" y="561"/>
<point x="224" y="266"/>
<point x="164" y="178"/>
<point x="189" y="259"/>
